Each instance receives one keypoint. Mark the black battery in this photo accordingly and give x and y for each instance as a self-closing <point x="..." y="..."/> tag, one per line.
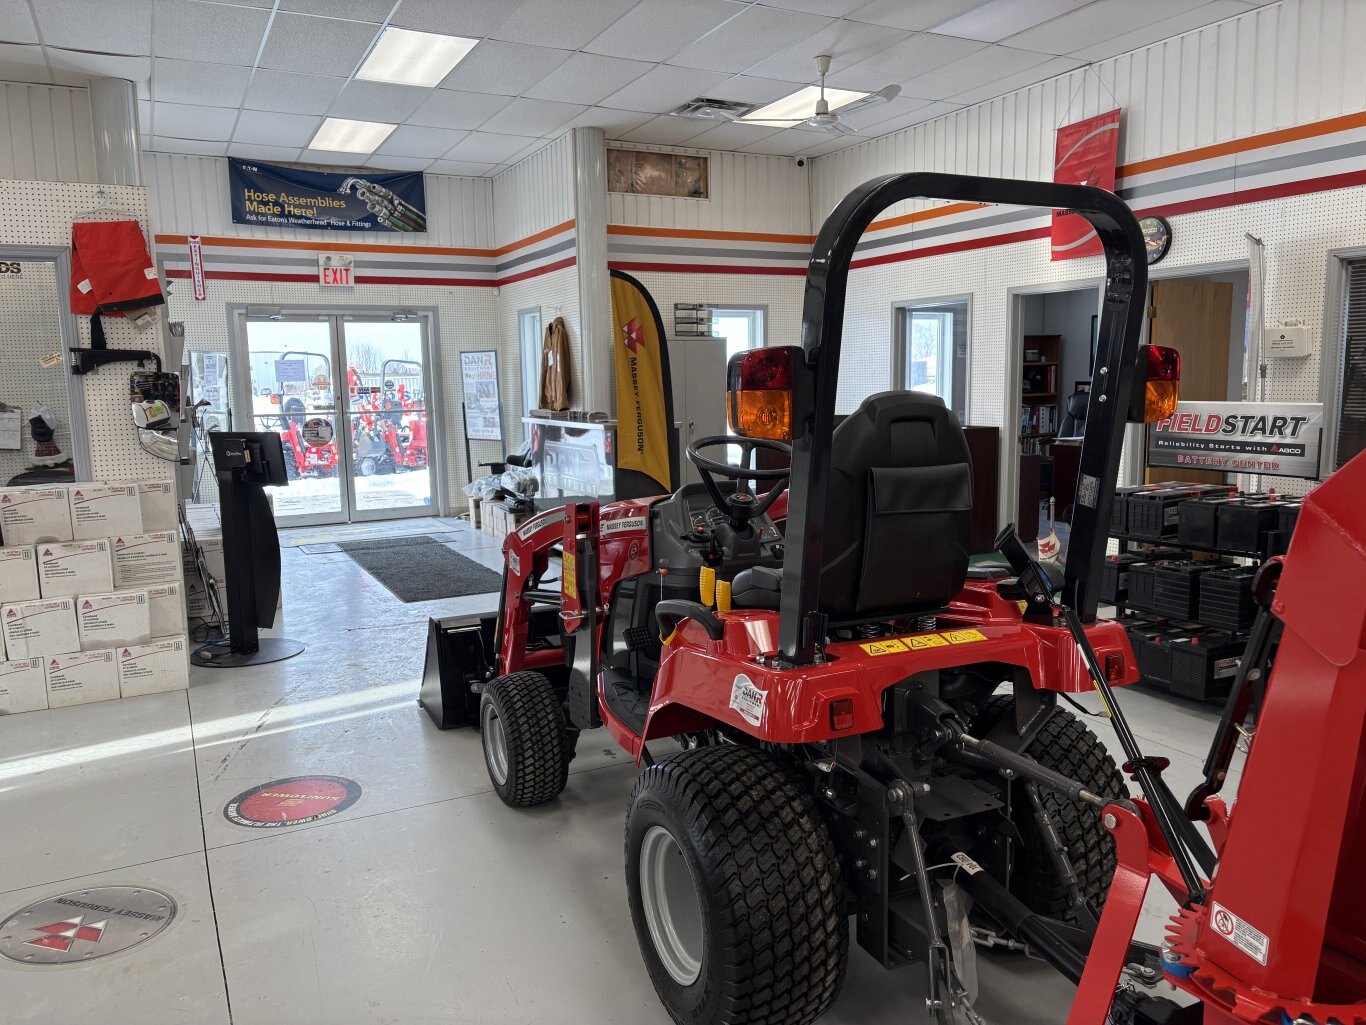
<point x="1176" y="588"/>
<point x="1141" y="581"/>
<point x="1198" y="521"/>
<point x="1156" y="514"/>
<point x="1285" y="525"/>
<point x="1114" y="577"/>
<point x="1119" y="512"/>
<point x="1243" y="521"/>
<point x="1203" y="665"/>
<point x="1226" y="598"/>
<point x="1151" y="652"/>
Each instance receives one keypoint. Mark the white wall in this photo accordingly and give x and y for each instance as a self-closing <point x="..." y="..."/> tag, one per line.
<point x="45" y="133"/>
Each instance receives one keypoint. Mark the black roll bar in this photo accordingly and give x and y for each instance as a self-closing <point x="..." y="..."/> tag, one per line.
<point x="802" y="626"/>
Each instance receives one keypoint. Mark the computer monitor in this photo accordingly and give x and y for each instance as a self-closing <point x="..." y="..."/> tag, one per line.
<point x="253" y="457"/>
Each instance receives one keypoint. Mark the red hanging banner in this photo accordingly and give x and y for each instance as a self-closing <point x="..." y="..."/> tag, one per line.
<point x="1085" y="154"/>
<point x="197" y="268"/>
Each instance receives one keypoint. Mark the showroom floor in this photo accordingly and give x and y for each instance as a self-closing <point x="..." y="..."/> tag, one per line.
<point x="426" y="901"/>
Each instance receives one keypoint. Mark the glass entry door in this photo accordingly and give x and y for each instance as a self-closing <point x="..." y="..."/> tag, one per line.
<point x="348" y="395"/>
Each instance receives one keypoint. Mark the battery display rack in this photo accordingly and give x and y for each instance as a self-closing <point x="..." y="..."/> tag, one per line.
<point x="1181" y="581"/>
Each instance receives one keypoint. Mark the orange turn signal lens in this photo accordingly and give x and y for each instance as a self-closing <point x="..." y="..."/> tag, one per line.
<point x="1163" y="383"/>
<point x="759" y="392"/>
<point x="761" y="414"/>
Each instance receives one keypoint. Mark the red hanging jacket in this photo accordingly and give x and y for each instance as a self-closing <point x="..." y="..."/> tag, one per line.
<point x="111" y="269"/>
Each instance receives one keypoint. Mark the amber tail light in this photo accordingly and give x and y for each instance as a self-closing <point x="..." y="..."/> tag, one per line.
<point x="1162" y="389"/>
<point x="759" y="392"/>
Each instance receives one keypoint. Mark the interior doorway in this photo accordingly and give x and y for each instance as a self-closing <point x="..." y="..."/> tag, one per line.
<point x="348" y="394"/>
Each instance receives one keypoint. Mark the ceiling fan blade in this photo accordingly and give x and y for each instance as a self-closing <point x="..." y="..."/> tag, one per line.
<point x="840" y="128"/>
<point x="884" y="94"/>
<point x="724" y="115"/>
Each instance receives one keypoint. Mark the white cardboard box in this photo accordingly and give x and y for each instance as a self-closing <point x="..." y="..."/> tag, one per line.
<point x="30" y="515"/>
<point x="157" y="498"/>
<point x="75" y="567"/>
<point x="81" y="676"/>
<point x="109" y="620"/>
<point x="18" y="575"/>
<point x="163" y="665"/>
<point x="142" y="559"/>
<point x="166" y="606"/>
<point x="39" y="628"/>
<point x="23" y="686"/>
<point x="211" y="545"/>
<point x="103" y="510"/>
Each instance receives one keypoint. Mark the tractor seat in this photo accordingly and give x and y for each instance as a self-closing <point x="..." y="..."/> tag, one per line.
<point x="758" y="587"/>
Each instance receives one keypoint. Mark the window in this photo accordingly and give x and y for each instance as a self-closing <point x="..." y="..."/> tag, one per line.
<point x="741" y="328"/>
<point x="1351" y="372"/>
<point x="929" y="353"/>
<point x="529" y="333"/>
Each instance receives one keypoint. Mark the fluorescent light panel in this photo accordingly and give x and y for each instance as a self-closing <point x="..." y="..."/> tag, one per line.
<point x="345" y="136"/>
<point x="404" y="57"/>
<point x="799" y="106"/>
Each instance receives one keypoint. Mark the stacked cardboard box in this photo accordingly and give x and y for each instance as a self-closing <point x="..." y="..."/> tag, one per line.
<point x="89" y="578"/>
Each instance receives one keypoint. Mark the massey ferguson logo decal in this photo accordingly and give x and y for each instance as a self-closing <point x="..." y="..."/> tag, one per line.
<point x="63" y="935"/>
<point x="85" y="925"/>
<point x="632" y="333"/>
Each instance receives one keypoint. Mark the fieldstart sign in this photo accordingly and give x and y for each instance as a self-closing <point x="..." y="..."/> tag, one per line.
<point x="1280" y="439"/>
<point x="287" y="197"/>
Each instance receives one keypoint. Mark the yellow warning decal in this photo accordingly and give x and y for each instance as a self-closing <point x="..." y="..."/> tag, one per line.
<point x="964" y="636"/>
<point x="569" y="572"/>
<point x="890" y="646"/>
<point x="923" y="641"/>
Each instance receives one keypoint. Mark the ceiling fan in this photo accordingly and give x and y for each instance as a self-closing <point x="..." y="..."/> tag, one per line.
<point x="823" y="117"/>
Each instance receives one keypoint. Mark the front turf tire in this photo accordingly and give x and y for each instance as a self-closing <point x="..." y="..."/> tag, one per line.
<point x="526" y="746"/>
<point x="737" y="834"/>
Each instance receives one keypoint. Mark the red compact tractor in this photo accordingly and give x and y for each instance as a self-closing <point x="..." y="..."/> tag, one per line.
<point x="871" y="730"/>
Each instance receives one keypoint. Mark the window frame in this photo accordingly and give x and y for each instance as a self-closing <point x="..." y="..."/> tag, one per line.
<point x="531" y="368"/>
<point x="903" y="311"/>
<point x="1332" y="350"/>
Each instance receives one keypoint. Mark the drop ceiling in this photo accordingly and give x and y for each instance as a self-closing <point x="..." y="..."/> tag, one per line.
<point x="255" y="78"/>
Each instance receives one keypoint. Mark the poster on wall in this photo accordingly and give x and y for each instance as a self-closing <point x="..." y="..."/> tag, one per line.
<point x="1280" y="439"/>
<point x="1084" y="153"/>
<point x="287" y="197"/>
<point x="479" y="385"/>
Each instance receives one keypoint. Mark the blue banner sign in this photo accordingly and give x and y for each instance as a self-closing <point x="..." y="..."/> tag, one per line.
<point x="287" y="197"/>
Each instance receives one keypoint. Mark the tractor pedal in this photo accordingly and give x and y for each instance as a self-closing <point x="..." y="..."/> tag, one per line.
<point x="637" y="638"/>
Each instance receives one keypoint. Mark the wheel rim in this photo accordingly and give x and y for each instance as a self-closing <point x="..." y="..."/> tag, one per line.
<point x="495" y="743"/>
<point x="673" y="908"/>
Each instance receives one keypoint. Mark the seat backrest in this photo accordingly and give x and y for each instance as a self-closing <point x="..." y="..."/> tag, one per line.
<point x="899" y="511"/>
<point x="1074" y="419"/>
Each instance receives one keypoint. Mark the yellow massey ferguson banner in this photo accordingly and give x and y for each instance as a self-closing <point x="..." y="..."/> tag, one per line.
<point x="644" y="391"/>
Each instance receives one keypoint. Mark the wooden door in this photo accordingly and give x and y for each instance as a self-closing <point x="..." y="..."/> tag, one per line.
<point x="1195" y="318"/>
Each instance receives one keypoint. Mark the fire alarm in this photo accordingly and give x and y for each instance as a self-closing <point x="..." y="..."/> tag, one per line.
<point x="1289" y="339"/>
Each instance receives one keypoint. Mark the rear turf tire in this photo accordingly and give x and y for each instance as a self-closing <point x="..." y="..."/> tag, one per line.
<point x="733" y="839"/>
<point x="1066" y="745"/>
<point x="526" y="748"/>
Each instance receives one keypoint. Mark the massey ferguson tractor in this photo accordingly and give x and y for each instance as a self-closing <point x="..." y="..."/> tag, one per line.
<point x="871" y="731"/>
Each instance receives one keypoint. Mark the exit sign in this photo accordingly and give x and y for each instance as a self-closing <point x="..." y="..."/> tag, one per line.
<point x="336" y="269"/>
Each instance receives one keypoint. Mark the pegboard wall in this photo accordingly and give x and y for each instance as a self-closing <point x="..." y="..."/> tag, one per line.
<point x="557" y="295"/>
<point x="781" y="294"/>
<point x="30" y="329"/>
<point x="41" y="214"/>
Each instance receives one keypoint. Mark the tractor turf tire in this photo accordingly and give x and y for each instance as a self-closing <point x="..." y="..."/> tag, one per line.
<point x="535" y="740"/>
<point x="1066" y="745"/>
<point x="291" y="464"/>
<point x="775" y="945"/>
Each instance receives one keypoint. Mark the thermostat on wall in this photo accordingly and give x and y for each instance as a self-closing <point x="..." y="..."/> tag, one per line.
<point x="1290" y="338"/>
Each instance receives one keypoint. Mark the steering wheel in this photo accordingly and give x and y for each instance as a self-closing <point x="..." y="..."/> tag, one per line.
<point x="741" y="506"/>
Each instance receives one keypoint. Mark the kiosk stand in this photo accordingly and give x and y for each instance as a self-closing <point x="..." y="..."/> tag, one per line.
<point x="245" y="464"/>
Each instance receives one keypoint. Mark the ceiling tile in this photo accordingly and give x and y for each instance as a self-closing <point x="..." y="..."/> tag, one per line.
<point x="830" y="8"/>
<point x="191" y="121"/>
<point x="374" y="11"/>
<point x="316" y="46"/>
<point x="782" y="143"/>
<point x="868" y="117"/>
<point x="735" y="45"/>
<point x="915" y="55"/>
<point x="669" y="131"/>
<point x="274" y="154"/>
<point x="216" y="33"/>
<point x="522" y="154"/>
<point x="613" y="122"/>
<point x="847" y="43"/>
<point x="747" y="89"/>
<point x="664" y="88"/>
<point x="378" y="101"/>
<point x="973" y="70"/>
<point x="484" y="147"/>
<point x="393" y="163"/>
<point x="588" y="78"/>
<point x="463" y="168"/>
<point x="731" y="136"/>
<point x="562" y="23"/>
<point x="295" y="94"/>
<point x="657" y="29"/>
<point x="507" y="69"/>
<point x="1095" y="23"/>
<point x="916" y="16"/>
<point x="77" y="24"/>
<point x="1050" y="68"/>
<point x="23" y="64"/>
<point x="271" y="128"/>
<point x="534" y="118"/>
<point x="414" y="141"/>
<point x="919" y="115"/>
<point x="993" y="21"/>
<point x="16" y="22"/>
<point x="473" y="19"/>
<point x="70" y="67"/>
<point x="447" y="108"/>
<point x="1166" y="28"/>
<point x="332" y="159"/>
<point x="223" y="85"/>
<point x="197" y="147"/>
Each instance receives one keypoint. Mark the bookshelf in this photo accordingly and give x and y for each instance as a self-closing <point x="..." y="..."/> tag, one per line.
<point x="1040" y="397"/>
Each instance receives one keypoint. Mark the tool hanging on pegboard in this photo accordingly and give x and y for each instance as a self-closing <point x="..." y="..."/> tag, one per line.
<point x="111" y="272"/>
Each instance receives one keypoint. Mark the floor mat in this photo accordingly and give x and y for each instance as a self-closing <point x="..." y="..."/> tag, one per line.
<point x="421" y="568"/>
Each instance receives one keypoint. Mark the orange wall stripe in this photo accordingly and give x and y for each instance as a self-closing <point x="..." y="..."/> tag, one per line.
<point x="926" y="215"/>
<point x="1222" y="149"/>
<point x="735" y="236"/>
<point x="530" y="239"/>
<point x="367" y="247"/>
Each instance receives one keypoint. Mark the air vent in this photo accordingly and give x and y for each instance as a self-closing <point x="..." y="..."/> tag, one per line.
<point x="712" y="110"/>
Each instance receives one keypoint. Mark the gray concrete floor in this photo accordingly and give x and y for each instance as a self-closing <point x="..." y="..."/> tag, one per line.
<point x="427" y="901"/>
